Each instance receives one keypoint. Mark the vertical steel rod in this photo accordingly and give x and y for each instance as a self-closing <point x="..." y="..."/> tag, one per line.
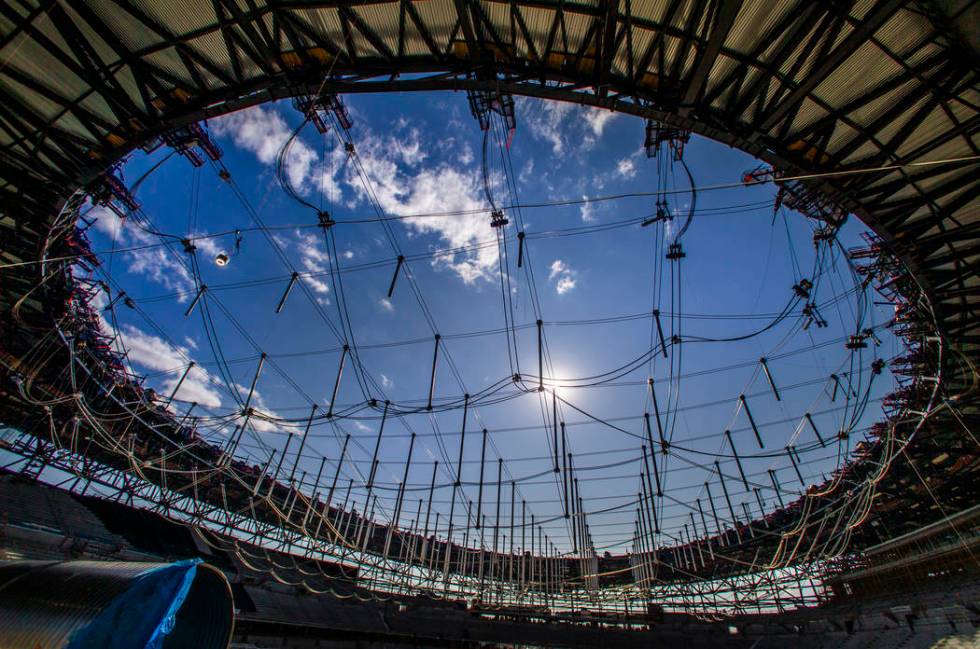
<point x="796" y="466"/>
<point x="748" y="519"/>
<point x="483" y="456"/>
<point x="833" y="396"/>
<point x="816" y="432"/>
<point x="408" y="462"/>
<point x="289" y="288"/>
<point x="462" y="440"/>
<point x="564" y="459"/>
<point x="394" y="278"/>
<point x="180" y="382"/>
<point x="496" y="520"/>
<point x="731" y="510"/>
<point x="664" y="446"/>
<point x="738" y="462"/>
<point x="777" y="487"/>
<point x="714" y="512"/>
<point x="748" y="413"/>
<point x="432" y="378"/>
<point x="377" y="444"/>
<point x="707" y="534"/>
<point x="336" y="475"/>
<point x="302" y="442"/>
<point x="285" y="451"/>
<point x="540" y="323"/>
<point x="554" y="425"/>
<point x="656" y="471"/>
<point x="336" y="384"/>
<point x="197" y="298"/>
<point x="772" y="384"/>
<point x="428" y="506"/>
<point x="660" y="332"/>
<point x="762" y="508"/>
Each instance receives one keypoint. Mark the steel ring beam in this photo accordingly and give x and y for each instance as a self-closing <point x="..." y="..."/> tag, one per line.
<point x="811" y="87"/>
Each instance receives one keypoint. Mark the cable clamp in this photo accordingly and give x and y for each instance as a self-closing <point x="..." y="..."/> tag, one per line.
<point x="497" y="219"/>
<point x="324" y="220"/>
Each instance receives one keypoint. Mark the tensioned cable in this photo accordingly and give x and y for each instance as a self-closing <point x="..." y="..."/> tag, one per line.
<point x="858" y="405"/>
<point x="612" y="197"/>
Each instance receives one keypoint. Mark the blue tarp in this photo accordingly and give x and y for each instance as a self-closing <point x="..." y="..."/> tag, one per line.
<point x="141" y="617"/>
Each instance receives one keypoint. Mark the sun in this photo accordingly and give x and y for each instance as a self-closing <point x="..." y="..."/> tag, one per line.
<point x="559" y="381"/>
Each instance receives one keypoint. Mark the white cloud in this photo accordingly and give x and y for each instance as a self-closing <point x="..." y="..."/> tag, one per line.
<point x="626" y="168"/>
<point x="545" y="119"/>
<point x="410" y="148"/>
<point x="564" y="285"/>
<point x="312" y="256"/>
<point x="160" y="266"/>
<point x="527" y="171"/>
<point x="431" y="190"/>
<point x="109" y="223"/>
<point x="398" y="179"/>
<point x="386" y="382"/>
<point x="263" y="131"/>
<point x="361" y="426"/>
<point x="348" y="254"/>
<point x="329" y="181"/>
<point x="557" y="268"/>
<point x="159" y="263"/>
<point x="562" y="124"/>
<point x="311" y="247"/>
<point x="317" y="284"/>
<point x="206" y="245"/>
<point x="597" y="118"/>
<point x="386" y="304"/>
<point x="562" y="275"/>
<point x="466" y="155"/>
<point x="153" y="354"/>
<point x="587" y="210"/>
<point x="261" y="420"/>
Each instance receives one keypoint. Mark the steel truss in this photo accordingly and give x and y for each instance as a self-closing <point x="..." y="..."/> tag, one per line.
<point x="761" y="592"/>
<point x="748" y="95"/>
<point x="754" y="101"/>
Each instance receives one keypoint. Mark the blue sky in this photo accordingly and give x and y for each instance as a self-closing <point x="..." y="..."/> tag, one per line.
<point x="420" y="154"/>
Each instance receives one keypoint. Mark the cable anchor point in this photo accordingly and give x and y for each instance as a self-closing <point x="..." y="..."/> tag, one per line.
<point x="497" y="219"/>
<point x="324" y="220"/>
<point x="675" y="252"/>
